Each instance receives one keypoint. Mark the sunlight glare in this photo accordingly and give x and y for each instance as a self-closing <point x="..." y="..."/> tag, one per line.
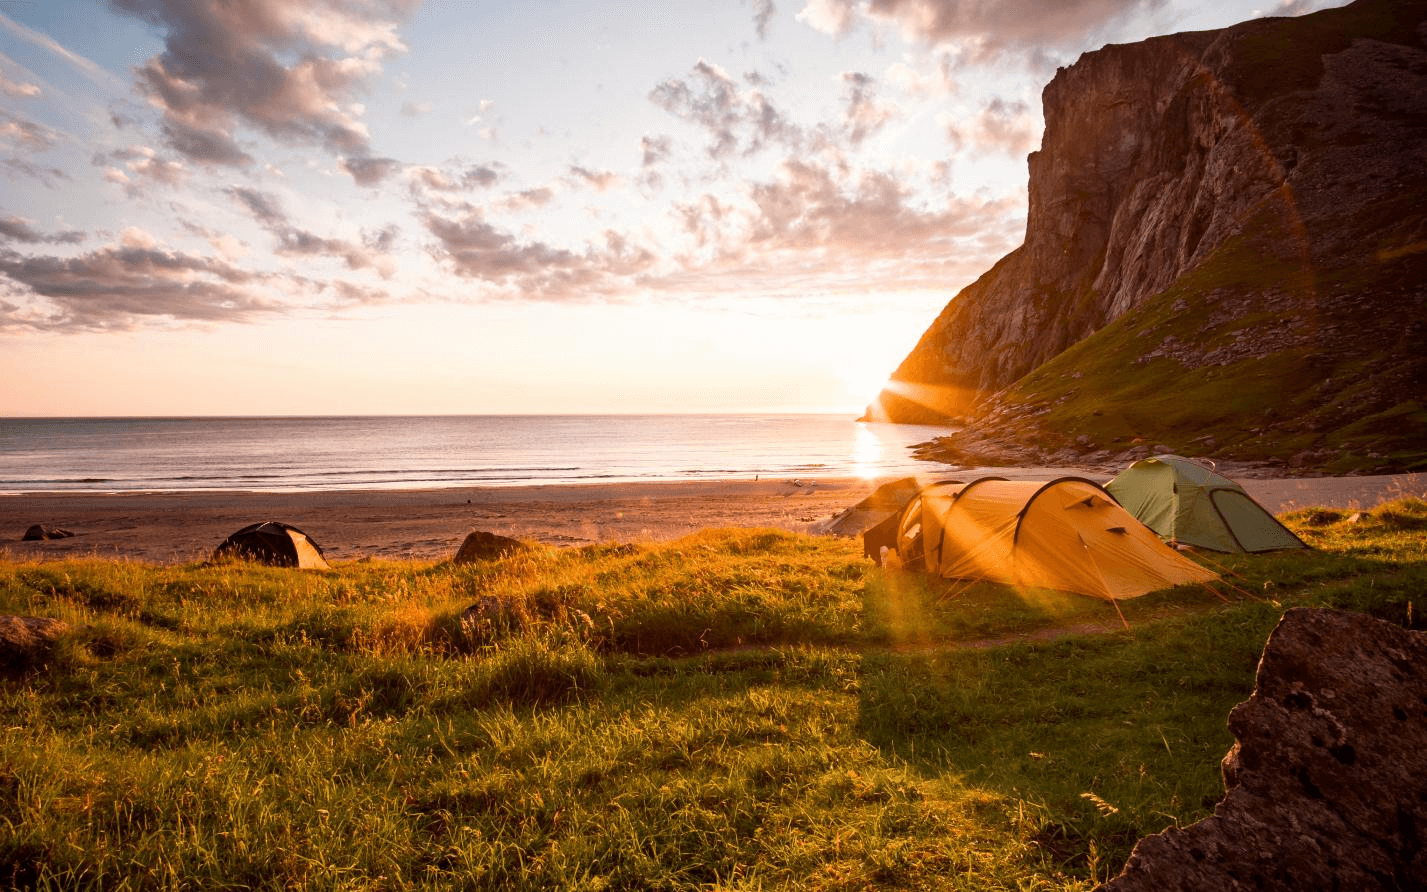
<point x="866" y="453"/>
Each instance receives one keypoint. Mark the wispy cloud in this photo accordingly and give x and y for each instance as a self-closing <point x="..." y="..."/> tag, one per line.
<point x="599" y="180"/>
<point x="19" y="89"/>
<point x="763" y="12"/>
<point x="18" y="229"/>
<point x="865" y="114"/>
<point x="369" y="171"/>
<point x="992" y="26"/>
<point x="1000" y="126"/>
<point x="118" y="286"/>
<point x="738" y="120"/>
<point x="95" y="73"/>
<point x="425" y="178"/>
<point x="144" y="167"/>
<point x="19" y="167"/>
<point x="27" y="135"/>
<point x="293" y="240"/>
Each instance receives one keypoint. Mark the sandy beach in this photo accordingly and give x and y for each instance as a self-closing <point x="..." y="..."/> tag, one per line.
<point x="429" y="524"/>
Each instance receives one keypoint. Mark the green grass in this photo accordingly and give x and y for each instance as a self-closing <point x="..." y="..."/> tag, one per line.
<point x="738" y="709"/>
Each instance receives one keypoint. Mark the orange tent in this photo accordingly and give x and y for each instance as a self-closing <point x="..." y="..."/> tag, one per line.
<point x="1066" y="534"/>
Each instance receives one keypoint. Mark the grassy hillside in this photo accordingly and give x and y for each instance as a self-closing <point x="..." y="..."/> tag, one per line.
<point x="746" y="709"/>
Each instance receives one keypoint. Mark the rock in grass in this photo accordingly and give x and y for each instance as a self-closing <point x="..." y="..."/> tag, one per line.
<point x="26" y="641"/>
<point x="40" y="531"/>
<point x="483" y="546"/>
<point x="1326" y="787"/>
<point x="489" y="615"/>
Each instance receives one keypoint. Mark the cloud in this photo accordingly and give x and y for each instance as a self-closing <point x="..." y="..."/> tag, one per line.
<point x="20" y="167"/>
<point x="599" y="180"/>
<point x="415" y="109"/>
<point x="27" y="135"/>
<point x="939" y="82"/>
<point x="157" y="170"/>
<point x="813" y="228"/>
<point x="737" y="120"/>
<point x="864" y="115"/>
<point x="807" y="208"/>
<point x="294" y="241"/>
<point x="474" y="248"/>
<point x="228" y="246"/>
<point x="833" y="17"/>
<point x="1301" y="7"/>
<point x="288" y="68"/>
<point x="992" y="26"/>
<point x="434" y="179"/>
<point x="18" y="229"/>
<point x="95" y="73"/>
<point x="264" y="207"/>
<point x="118" y="286"/>
<point x="480" y="175"/>
<point x="369" y="171"/>
<point x="654" y="149"/>
<point x="383" y="239"/>
<point x="143" y="165"/>
<point x="763" y="12"/>
<point x="17" y="90"/>
<point x="529" y="199"/>
<point x="204" y="146"/>
<point x="1000" y="126"/>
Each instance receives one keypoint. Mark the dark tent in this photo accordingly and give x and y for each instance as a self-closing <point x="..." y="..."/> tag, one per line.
<point x="274" y="543"/>
<point x="875" y="517"/>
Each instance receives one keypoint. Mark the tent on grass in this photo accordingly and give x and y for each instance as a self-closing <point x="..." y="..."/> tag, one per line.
<point x="875" y="517"/>
<point x="1187" y="503"/>
<point x="1066" y="534"/>
<point x="274" y="543"/>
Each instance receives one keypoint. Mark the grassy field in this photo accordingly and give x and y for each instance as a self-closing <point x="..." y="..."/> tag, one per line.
<point x="735" y="710"/>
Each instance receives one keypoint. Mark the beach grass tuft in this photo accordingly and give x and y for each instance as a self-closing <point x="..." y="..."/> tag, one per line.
<point x="741" y="709"/>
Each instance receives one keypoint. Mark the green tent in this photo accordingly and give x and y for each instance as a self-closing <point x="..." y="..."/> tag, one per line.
<point x="1187" y="503"/>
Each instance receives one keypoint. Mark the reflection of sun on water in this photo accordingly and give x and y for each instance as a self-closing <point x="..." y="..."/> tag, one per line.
<point x="866" y="453"/>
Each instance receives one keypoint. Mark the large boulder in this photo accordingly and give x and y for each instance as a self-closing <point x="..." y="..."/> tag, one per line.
<point x="1327" y="784"/>
<point x="483" y="546"/>
<point x="26" y="641"/>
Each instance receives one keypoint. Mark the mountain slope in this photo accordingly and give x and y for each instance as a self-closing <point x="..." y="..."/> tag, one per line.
<point x="1225" y="253"/>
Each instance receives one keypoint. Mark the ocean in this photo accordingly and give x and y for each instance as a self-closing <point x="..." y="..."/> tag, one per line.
<point x="388" y="452"/>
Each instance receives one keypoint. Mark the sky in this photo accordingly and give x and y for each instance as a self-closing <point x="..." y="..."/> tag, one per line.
<point x="325" y="207"/>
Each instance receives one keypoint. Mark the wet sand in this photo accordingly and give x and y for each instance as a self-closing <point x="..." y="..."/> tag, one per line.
<point x="429" y="524"/>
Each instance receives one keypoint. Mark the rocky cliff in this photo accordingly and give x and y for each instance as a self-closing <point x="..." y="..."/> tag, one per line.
<point x="1226" y="252"/>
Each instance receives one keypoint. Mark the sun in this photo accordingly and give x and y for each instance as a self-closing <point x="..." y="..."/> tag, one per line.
<point x="862" y="379"/>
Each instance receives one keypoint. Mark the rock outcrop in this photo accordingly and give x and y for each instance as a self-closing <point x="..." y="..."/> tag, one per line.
<point x="483" y="546"/>
<point x="26" y="641"/>
<point x="1223" y="208"/>
<point x="42" y="531"/>
<point x="1325" y="786"/>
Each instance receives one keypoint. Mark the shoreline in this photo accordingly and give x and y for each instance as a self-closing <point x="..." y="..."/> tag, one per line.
<point x="430" y="524"/>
